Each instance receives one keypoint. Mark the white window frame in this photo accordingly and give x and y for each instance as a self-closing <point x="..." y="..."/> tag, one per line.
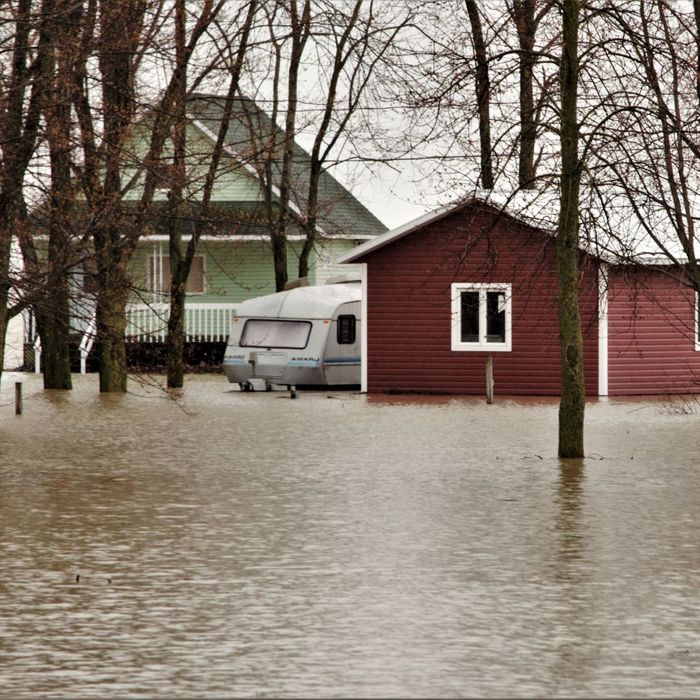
<point x="154" y="273"/>
<point x="482" y="345"/>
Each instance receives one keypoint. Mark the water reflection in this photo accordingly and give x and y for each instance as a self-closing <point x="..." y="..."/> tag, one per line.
<point x="568" y="523"/>
<point x="340" y="545"/>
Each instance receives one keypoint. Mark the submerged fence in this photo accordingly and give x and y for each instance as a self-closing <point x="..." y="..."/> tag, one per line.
<point x="148" y="323"/>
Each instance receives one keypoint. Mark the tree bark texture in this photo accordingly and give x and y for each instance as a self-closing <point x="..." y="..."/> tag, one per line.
<point x="526" y="25"/>
<point x="573" y="394"/>
<point x="176" y="339"/>
<point x="696" y="14"/>
<point x="300" y="24"/>
<point x="111" y="326"/>
<point x="483" y="95"/>
<point x="181" y="264"/>
<point x="20" y="100"/>
<point x="318" y="152"/>
<point x="55" y="322"/>
<point x="119" y="36"/>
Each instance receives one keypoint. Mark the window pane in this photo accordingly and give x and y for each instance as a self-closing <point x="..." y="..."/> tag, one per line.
<point x="495" y="317"/>
<point x="346" y="329"/>
<point x="263" y="333"/>
<point x="469" y="317"/>
<point x="160" y="279"/>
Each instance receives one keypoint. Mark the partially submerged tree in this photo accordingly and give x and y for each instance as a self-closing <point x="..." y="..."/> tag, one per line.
<point x="121" y="35"/>
<point x="26" y="40"/>
<point x="573" y="391"/>
<point x="181" y="259"/>
<point x="53" y="308"/>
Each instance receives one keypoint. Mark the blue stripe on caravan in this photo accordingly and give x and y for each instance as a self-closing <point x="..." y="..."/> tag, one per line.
<point x="342" y="361"/>
<point x="303" y="363"/>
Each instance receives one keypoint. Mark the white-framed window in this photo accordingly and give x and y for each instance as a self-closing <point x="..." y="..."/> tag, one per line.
<point x="159" y="276"/>
<point x="481" y="317"/>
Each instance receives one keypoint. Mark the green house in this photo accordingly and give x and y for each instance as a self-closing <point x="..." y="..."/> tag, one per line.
<point x="234" y="259"/>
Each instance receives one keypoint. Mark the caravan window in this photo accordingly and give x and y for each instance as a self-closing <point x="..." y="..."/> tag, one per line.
<point x="267" y="333"/>
<point x="346" y="329"/>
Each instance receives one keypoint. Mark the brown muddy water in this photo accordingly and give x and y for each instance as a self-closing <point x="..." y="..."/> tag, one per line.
<point x="250" y="545"/>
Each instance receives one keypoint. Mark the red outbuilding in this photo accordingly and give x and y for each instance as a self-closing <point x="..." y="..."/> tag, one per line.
<point x="446" y="291"/>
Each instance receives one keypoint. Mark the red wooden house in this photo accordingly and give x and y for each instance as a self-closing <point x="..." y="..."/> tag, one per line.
<point x="445" y="291"/>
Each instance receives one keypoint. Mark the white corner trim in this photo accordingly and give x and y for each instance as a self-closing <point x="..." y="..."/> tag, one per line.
<point x="363" y="329"/>
<point x="603" y="279"/>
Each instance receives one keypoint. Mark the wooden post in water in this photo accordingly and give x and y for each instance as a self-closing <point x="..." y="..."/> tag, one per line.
<point x="18" y="398"/>
<point x="489" y="379"/>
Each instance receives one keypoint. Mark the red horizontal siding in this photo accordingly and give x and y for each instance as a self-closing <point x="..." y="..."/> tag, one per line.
<point x="409" y="308"/>
<point x="651" y="334"/>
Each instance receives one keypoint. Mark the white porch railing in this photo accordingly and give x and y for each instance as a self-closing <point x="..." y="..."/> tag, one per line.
<point x="148" y="323"/>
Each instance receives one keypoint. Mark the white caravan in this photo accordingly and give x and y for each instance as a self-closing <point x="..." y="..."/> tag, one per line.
<point x="308" y="335"/>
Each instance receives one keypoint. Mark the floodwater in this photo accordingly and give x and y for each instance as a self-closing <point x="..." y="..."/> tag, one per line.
<point x="249" y="545"/>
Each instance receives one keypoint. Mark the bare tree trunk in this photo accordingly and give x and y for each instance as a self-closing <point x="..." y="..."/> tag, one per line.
<point x="181" y="265"/>
<point x="311" y="225"/>
<point x="54" y="323"/>
<point x="573" y="393"/>
<point x="111" y="326"/>
<point x="300" y="27"/>
<point x="120" y="26"/>
<point x="317" y="158"/>
<point x="5" y="244"/>
<point x="696" y="12"/>
<point x="524" y="16"/>
<point x="176" y="320"/>
<point x="21" y="95"/>
<point x="483" y="95"/>
<point x="175" y="344"/>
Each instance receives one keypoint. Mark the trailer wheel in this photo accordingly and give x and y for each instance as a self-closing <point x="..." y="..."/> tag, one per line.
<point x="245" y="386"/>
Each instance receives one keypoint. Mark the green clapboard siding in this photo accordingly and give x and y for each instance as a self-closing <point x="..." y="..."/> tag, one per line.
<point x="238" y="270"/>
<point x="233" y="183"/>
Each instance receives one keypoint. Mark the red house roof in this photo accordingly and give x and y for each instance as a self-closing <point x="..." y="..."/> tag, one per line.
<point x="534" y="209"/>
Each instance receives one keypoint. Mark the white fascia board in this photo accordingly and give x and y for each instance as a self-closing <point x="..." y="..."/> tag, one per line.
<point x="654" y="260"/>
<point x="394" y="234"/>
<point x="249" y="168"/>
<point x="242" y="237"/>
<point x="249" y="237"/>
<point x="433" y="216"/>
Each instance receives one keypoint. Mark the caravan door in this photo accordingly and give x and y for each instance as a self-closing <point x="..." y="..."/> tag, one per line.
<point x="342" y="357"/>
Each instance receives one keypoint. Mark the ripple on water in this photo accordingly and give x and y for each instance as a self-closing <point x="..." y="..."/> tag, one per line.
<point x="341" y="545"/>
